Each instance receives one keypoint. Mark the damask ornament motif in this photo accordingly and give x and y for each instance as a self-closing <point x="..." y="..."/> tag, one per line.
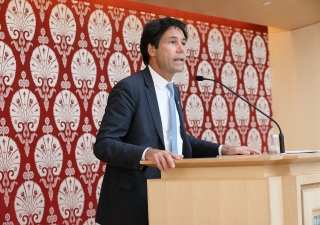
<point x="194" y="114"/>
<point x="91" y="213"/>
<point x="98" y="107"/>
<point x="263" y="105"/>
<point x="2" y="35"/>
<point x="7" y="216"/>
<point x="146" y="16"/>
<point x="82" y="43"/>
<point x="216" y="49"/>
<point x="208" y="134"/>
<point x="219" y="114"/>
<point x="262" y="120"/>
<point x="84" y="74"/>
<point x="248" y="35"/>
<point x="98" y="188"/>
<point x="25" y="117"/>
<point x="52" y="217"/>
<point x="81" y="8"/>
<point x="239" y="51"/>
<point x="21" y="24"/>
<point x="230" y="79"/>
<point x="181" y="79"/>
<point x="251" y="82"/>
<point x="89" y="221"/>
<point x="132" y="31"/>
<point x="193" y="47"/>
<point x="232" y="138"/>
<point x="100" y="34"/>
<point x="8" y="68"/>
<point x="226" y="31"/>
<point x="259" y="52"/>
<point x="87" y="163"/>
<point x="203" y="28"/>
<point x="254" y="139"/>
<point x="10" y="159"/>
<point x="206" y="86"/>
<point x="29" y="203"/>
<point x="44" y="68"/>
<point x="242" y="113"/>
<point x="267" y="83"/>
<point x="116" y="14"/>
<point x="66" y="111"/>
<point x="42" y="6"/>
<point x="71" y="200"/>
<point x="118" y="68"/>
<point x="63" y="30"/>
<point x="48" y="157"/>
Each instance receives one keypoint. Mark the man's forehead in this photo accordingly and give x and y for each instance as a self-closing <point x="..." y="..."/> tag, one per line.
<point x="176" y="31"/>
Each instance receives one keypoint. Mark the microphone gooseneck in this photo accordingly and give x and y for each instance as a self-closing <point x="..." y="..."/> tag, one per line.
<point x="281" y="136"/>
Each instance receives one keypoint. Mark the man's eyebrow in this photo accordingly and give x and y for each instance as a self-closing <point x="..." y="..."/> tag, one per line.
<point x="175" y="37"/>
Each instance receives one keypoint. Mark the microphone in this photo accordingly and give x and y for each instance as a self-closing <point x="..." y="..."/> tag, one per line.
<point x="281" y="137"/>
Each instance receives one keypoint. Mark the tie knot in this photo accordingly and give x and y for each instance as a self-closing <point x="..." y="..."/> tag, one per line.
<point x="170" y="87"/>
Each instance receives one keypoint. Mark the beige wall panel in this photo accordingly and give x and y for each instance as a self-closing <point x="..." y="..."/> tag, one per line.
<point x="295" y="77"/>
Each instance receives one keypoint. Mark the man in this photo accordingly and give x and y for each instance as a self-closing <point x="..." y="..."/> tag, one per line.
<point x="136" y="126"/>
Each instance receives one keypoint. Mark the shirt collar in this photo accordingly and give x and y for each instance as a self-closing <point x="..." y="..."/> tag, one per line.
<point x="157" y="79"/>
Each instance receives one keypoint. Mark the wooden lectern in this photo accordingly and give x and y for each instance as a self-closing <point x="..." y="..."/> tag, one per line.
<point x="242" y="190"/>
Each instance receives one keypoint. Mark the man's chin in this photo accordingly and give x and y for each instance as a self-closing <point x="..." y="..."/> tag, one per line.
<point x="179" y="69"/>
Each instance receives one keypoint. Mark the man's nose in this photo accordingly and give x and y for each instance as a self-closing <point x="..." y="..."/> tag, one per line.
<point x="181" y="47"/>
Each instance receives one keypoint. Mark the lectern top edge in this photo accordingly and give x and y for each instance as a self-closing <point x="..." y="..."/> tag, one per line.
<point x="242" y="160"/>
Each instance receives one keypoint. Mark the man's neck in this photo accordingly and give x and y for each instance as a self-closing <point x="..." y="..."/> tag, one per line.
<point x="164" y="75"/>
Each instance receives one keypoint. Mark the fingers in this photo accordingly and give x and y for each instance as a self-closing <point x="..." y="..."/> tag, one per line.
<point x="255" y="152"/>
<point x="163" y="159"/>
<point x="244" y="150"/>
<point x="252" y="151"/>
<point x="163" y="163"/>
<point x="174" y="156"/>
<point x="239" y="150"/>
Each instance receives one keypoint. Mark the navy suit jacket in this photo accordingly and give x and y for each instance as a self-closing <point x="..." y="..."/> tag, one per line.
<point x="132" y="123"/>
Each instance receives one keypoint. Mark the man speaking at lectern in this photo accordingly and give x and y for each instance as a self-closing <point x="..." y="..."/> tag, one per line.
<point x="138" y="125"/>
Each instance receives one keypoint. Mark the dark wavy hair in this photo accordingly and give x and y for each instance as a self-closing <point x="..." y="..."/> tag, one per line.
<point x="153" y="31"/>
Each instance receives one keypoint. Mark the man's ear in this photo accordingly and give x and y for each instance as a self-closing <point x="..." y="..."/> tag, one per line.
<point x="151" y="50"/>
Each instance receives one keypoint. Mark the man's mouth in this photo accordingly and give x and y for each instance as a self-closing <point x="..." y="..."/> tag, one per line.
<point x="179" y="59"/>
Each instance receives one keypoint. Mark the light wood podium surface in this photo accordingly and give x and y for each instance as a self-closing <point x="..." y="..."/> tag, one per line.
<point x="242" y="190"/>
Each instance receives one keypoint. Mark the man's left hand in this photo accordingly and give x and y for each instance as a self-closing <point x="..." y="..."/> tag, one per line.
<point x="239" y="150"/>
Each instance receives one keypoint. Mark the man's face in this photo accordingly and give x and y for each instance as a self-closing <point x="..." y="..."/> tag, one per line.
<point x="170" y="56"/>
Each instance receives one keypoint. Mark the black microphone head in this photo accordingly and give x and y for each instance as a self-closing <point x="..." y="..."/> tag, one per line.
<point x="199" y="78"/>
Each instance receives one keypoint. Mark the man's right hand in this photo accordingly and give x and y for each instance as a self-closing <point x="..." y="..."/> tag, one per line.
<point x="163" y="159"/>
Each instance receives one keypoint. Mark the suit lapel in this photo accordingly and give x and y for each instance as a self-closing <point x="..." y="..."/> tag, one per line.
<point x="186" y="150"/>
<point x="153" y="102"/>
<point x="178" y="104"/>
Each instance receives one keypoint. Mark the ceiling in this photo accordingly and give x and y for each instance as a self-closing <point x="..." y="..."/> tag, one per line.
<point x="278" y="15"/>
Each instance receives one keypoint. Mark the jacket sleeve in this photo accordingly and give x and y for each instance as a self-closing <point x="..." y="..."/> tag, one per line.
<point x="202" y="148"/>
<point x="109" y="146"/>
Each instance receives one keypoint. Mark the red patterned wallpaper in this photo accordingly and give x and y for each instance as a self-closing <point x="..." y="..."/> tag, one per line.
<point x="58" y="62"/>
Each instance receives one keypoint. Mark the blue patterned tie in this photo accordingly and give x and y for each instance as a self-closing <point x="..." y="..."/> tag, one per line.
<point x="174" y="145"/>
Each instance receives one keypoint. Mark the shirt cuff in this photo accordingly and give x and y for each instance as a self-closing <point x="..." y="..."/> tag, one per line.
<point x="143" y="157"/>
<point x="220" y="147"/>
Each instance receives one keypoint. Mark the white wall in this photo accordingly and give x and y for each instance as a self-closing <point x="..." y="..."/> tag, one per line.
<point x="295" y="77"/>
